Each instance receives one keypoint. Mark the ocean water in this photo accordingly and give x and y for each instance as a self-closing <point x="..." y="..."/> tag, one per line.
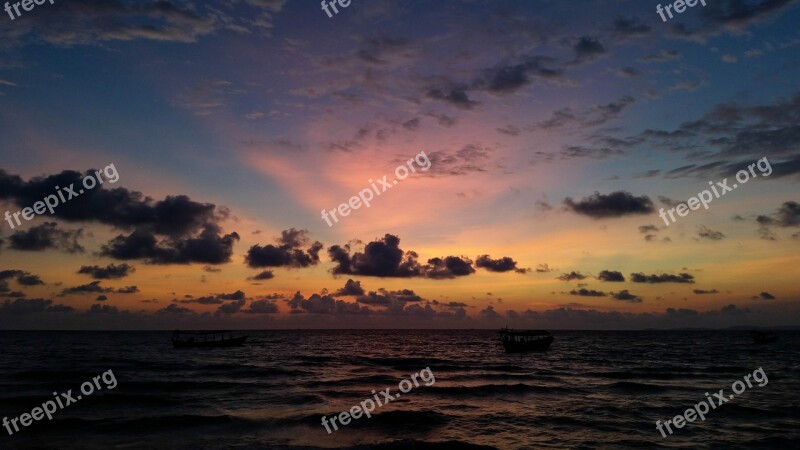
<point x="591" y="390"/>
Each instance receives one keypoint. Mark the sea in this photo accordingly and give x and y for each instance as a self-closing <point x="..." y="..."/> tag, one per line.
<point x="592" y="389"/>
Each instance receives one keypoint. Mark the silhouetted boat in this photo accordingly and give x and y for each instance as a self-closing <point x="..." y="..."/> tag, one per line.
<point x="515" y="341"/>
<point x="759" y="337"/>
<point x="225" y="338"/>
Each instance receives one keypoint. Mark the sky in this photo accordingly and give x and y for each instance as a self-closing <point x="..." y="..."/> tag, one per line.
<point x="546" y="146"/>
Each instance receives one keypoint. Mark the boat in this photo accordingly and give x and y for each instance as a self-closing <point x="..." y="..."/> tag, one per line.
<point x="516" y="341"/>
<point x="759" y="337"/>
<point x="206" y="339"/>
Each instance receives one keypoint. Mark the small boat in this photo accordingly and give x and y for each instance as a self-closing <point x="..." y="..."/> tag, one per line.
<point x="759" y="337"/>
<point x="515" y="341"/>
<point x="206" y="339"/>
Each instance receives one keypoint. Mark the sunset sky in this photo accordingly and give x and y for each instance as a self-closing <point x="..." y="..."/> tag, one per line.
<point x="555" y="132"/>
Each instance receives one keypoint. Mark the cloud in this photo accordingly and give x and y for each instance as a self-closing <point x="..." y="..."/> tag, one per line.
<point x="289" y="252"/>
<point x="611" y="276"/>
<point x="615" y="204"/>
<point x="34" y="305"/>
<point x="351" y="287"/>
<point x="388" y="298"/>
<point x="572" y="276"/>
<point x="764" y="296"/>
<point x="47" y="236"/>
<point x="454" y="95"/>
<point x="231" y="307"/>
<point x="127" y="290"/>
<point x="704" y="232"/>
<point x="704" y="292"/>
<point x="175" y="230"/>
<point x="503" y="264"/>
<point x="788" y="215"/>
<point x="663" y="278"/>
<point x="93" y="287"/>
<point x="324" y="304"/>
<point x="214" y="299"/>
<point x="263" y="275"/>
<point x="262" y="307"/>
<point x="23" y="278"/>
<point x="587" y="49"/>
<point x="101" y="298"/>
<point x="626" y="296"/>
<point x="544" y="268"/>
<point x="448" y="267"/>
<point x="111" y="271"/>
<point x="733" y="16"/>
<point x="381" y="258"/>
<point x="583" y="292"/>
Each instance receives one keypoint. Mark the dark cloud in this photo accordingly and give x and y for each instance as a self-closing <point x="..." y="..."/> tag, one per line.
<point x="211" y="269"/>
<point x="102" y="309"/>
<point x="594" y="116"/>
<point x="101" y="298"/>
<point x="626" y="296"/>
<point x="611" y="276"/>
<point x="387" y="298"/>
<point x="503" y="264"/>
<point x="587" y="49"/>
<point x="705" y="292"/>
<point x="788" y="215"/>
<point x="324" y="304"/>
<point x="509" y="78"/>
<point x="111" y="271"/>
<point x="583" y="292"/>
<point x="382" y="258"/>
<point x="231" y="307"/>
<point x="175" y="309"/>
<point x="23" y="278"/>
<point x="544" y="268"/>
<point x="733" y="16"/>
<point x="207" y="247"/>
<point x="454" y="95"/>
<point x="646" y="229"/>
<point x="262" y="307"/>
<point x="351" y="287"/>
<point x="472" y="158"/>
<point x="127" y="290"/>
<point x="34" y="305"/>
<point x="615" y="204"/>
<point x="175" y="230"/>
<point x="214" y="299"/>
<point x="93" y="287"/>
<point x="263" y="275"/>
<point x="572" y="276"/>
<point x="625" y="27"/>
<point x="289" y="252"/>
<point x="704" y="232"/>
<point x="663" y="278"/>
<point x="46" y="236"/>
<point x="448" y="267"/>
<point x="764" y="296"/>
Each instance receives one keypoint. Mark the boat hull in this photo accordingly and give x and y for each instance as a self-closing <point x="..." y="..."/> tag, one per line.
<point x="539" y="345"/>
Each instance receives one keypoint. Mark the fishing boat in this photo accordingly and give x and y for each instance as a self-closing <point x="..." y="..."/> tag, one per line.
<point x="223" y="338"/>
<point x="759" y="337"/>
<point x="516" y="341"/>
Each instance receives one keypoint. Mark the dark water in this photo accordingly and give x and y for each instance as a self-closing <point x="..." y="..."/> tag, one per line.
<point x="591" y="390"/>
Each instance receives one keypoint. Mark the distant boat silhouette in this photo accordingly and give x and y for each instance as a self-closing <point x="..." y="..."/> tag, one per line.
<point x="516" y="341"/>
<point x="759" y="337"/>
<point x="223" y="338"/>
